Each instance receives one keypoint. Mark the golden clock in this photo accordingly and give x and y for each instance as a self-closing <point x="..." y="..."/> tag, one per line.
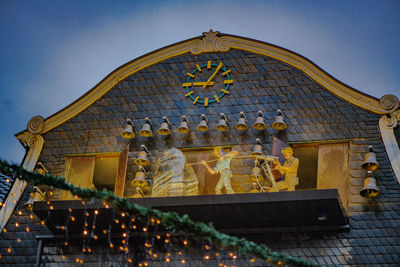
<point x="208" y="83"/>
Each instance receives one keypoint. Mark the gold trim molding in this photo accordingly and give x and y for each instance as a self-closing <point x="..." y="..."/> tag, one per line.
<point x="209" y="42"/>
<point x="35" y="143"/>
<point x="386" y="126"/>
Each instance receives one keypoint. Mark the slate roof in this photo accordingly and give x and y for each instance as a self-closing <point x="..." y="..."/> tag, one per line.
<point x="260" y="83"/>
<point x="5" y="186"/>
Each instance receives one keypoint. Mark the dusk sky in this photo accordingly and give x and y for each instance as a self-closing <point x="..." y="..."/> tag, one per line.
<point x="52" y="52"/>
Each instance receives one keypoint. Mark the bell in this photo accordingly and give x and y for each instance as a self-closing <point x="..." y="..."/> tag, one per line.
<point x="257" y="150"/>
<point x="128" y="131"/>
<point x="260" y="124"/>
<point x="370" y="163"/>
<point x="41" y="169"/>
<point x="140" y="178"/>
<point x="222" y="125"/>
<point x="146" y="130"/>
<point x="38" y="195"/>
<point x="256" y="175"/>
<point x="370" y="190"/>
<point x="203" y="127"/>
<point x="241" y="125"/>
<point x="164" y="128"/>
<point x="142" y="158"/>
<point x="279" y="123"/>
<point x="184" y="126"/>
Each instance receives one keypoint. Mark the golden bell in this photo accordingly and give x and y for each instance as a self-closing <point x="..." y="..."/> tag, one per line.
<point x="146" y="130"/>
<point x="256" y="175"/>
<point x="370" y="163"/>
<point x="260" y="124"/>
<point x="164" y="128"/>
<point x="142" y="158"/>
<point x="140" y="178"/>
<point x="41" y="169"/>
<point x="184" y="126"/>
<point x="279" y="123"/>
<point x="128" y="131"/>
<point x="370" y="190"/>
<point x="257" y="150"/>
<point x="222" y="125"/>
<point x="241" y="125"/>
<point x="38" y="195"/>
<point x="203" y="125"/>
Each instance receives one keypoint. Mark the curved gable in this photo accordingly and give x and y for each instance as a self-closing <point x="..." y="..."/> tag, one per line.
<point x="213" y="42"/>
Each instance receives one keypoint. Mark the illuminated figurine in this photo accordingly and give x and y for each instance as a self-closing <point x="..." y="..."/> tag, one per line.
<point x="289" y="168"/>
<point x="223" y="167"/>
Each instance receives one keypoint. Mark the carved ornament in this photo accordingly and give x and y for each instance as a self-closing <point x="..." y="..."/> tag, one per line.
<point x="36" y="125"/>
<point x="389" y="103"/>
<point x="210" y="42"/>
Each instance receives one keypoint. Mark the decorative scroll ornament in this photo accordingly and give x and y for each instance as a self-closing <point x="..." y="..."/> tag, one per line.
<point x="389" y="103"/>
<point x="34" y="140"/>
<point x="392" y="120"/>
<point x="210" y="43"/>
<point x="36" y="125"/>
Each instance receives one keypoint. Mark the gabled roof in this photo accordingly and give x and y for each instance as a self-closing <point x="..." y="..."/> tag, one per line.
<point x="210" y="42"/>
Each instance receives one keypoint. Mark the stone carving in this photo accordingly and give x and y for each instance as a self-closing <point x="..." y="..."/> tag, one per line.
<point x="36" y="125"/>
<point x="210" y="42"/>
<point x="389" y="103"/>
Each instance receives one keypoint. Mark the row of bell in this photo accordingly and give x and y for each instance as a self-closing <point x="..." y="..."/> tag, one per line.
<point x="241" y="125"/>
<point x="370" y="164"/>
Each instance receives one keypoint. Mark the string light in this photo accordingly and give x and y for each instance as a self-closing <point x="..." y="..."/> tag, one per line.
<point x="174" y="221"/>
<point x="27" y="229"/>
<point x="19" y="212"/>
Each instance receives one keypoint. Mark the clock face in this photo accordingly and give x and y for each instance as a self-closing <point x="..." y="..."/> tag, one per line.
<point x="207" y="83"/>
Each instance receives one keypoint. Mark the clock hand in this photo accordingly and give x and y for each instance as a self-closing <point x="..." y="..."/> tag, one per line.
<point x="212" y="76"/>
<point x="202" y="83"/>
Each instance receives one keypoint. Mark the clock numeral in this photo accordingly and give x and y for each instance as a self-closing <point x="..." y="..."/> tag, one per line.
<point x="226" y="72"/>
<point x="206" y="101"/>
<point x="226" y="92"/>
<point x="228" y="81"/>
<point x="188" y="94"/>
<point x="189" y="74"/>
<point x="209" y="64"/>
<point x="186" y="84"/>
<point x="216" y="98"/>
<point x="195" y="101"/>
<point x="198" y="67"/>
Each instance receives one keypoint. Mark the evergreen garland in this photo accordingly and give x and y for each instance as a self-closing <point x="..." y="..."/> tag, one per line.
<point x="179" y="224"/>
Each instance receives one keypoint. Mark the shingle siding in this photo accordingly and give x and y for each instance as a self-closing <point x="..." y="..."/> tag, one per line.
<point x="260" y="83"/>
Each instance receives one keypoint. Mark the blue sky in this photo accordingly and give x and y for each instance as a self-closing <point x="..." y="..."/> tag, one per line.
<point x="52" y="52"/>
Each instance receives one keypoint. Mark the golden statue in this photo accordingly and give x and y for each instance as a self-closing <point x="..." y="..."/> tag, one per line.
<point x="289" y="168"/>
<point x="223" y="167"/>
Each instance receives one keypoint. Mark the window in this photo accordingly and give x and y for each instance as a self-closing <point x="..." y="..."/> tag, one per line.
<point x="97" y="171"/>
<point x="324" y="166"/>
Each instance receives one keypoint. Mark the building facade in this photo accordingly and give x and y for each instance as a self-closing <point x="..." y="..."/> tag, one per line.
<point x="127" y="135"/>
